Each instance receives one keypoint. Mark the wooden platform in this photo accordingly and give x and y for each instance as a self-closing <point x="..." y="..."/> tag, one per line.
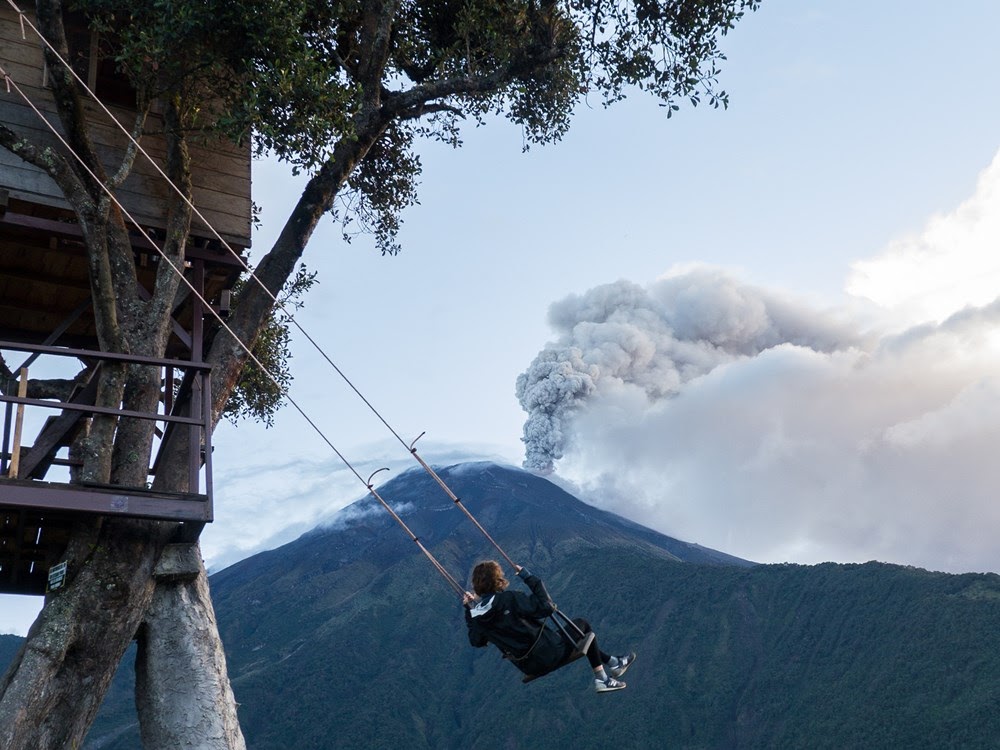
<point x="37" y="514"/>
<point x="47" y="320"/>
<point x="36" y="519"/>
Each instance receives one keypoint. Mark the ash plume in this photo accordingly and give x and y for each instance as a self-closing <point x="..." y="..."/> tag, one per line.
<point x="655" y="339"/>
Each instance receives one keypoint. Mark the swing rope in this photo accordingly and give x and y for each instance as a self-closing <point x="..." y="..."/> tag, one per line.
<point x="291" y="318"/>
<point x="12" y="84"/>
<point x="455" y="499"/>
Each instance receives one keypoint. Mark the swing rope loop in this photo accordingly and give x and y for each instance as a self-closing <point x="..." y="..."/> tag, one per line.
<point x="369" y="482"/>
<point x="416" y="540"/>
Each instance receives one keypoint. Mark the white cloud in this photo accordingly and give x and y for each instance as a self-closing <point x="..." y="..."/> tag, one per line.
<point x="793" y="436"/>
<point x="953" y="262"/>
<point x="262" y="506"/>
<point x="806" y="456"/>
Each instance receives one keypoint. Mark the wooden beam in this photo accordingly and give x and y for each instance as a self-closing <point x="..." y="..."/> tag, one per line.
<point x="22" y="390"/>
<point x="48" y="279"/>
<point x="151" y="416"/>
<point x="60" y="329"/>
<point x="73" y="231"/>
<point x="105" y="356"/>
<point x="55" y="431"/>
<point x="105" y="500"/>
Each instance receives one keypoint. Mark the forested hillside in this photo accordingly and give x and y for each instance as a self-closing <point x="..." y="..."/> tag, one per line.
<point x="347" y="639"/>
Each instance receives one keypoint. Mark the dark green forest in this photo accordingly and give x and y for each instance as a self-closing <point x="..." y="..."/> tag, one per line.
<point x="777" y="656"/>
<point x="828" y="656"/>
<point x="346" y="638"/>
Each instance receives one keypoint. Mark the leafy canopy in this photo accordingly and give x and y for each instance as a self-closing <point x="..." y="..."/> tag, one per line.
<point x="309" y="80"/>
<point x="302" y="77"/>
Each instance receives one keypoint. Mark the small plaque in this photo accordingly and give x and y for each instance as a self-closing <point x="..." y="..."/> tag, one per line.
<point x="119" y="503"/>
<point x="57" y="576"/>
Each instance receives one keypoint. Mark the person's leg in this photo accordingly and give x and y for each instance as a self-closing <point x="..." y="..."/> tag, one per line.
<point x="603" y="682"/>
<point x="616" y="665"/>
<point x="595" y="656"/>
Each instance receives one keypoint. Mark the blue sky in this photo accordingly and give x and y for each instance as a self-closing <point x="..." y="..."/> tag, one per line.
<point x="850" y="176"/>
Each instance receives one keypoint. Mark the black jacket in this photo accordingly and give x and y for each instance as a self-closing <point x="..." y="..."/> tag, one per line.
<point x="515" y="623"/>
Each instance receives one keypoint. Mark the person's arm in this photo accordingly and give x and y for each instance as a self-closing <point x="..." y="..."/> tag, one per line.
<point x="539" y="604"/>
<point x="476" y="636"/>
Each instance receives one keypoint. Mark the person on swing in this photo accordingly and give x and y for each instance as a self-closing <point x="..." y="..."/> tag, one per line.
<point x="515" y="623"/>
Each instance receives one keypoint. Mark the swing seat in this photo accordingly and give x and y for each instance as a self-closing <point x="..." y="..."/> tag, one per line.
<point x="579" y="649"/>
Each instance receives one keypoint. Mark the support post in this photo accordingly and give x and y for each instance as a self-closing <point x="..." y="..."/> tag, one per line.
<point x="197" y="394"/>
<point x="22" y="392"/>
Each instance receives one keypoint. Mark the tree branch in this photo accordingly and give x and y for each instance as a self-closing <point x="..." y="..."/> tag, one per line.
<point x="56" y="388"/>
<point x="178" y="169"/>
<point x="412" y="102"/>
<point x="49" y="161"/>
<point x="376" y="36"/>
<point x="254" y="305"/>
<point x="66" y="94"/>
<point x="128" y="160"/>
<point x="7" y="379"/>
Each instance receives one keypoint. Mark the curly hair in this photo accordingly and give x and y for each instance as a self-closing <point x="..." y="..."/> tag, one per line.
<point x="487" y="578"/>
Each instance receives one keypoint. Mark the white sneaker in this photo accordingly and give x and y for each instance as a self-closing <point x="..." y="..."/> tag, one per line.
<point x="624" y="662"/>
<point x="606" y="686"/>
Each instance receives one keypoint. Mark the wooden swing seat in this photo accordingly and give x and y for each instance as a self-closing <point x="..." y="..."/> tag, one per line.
<point x="579" y="650"/>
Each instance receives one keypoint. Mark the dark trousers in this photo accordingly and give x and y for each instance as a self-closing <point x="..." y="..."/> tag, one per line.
<point x="595" y="656"/>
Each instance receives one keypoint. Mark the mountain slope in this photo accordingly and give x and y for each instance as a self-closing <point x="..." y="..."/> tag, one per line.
<point x="346" y="638"/>
<point x="351" y="566"/>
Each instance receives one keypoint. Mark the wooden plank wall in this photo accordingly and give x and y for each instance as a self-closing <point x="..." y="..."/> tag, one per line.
<point x="220" y="171"/>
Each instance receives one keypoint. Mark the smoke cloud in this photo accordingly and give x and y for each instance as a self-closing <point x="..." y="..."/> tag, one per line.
<point x="951" y="263"/>
<point x="735" y="417"/>
<point x="655" y="340"/>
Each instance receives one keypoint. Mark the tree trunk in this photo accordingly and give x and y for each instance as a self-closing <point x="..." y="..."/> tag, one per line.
<point x="182" y="688"/>
<point x="55" y="685"/>
<point x="52" y="691"/>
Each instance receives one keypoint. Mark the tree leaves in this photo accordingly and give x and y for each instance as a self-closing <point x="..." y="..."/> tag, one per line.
<point x="347" y="88"/>
<point x="301" y="76"/>
<point x="257" y="395"/>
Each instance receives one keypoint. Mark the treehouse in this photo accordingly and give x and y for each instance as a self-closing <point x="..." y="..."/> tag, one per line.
<point x="47" y="322"/>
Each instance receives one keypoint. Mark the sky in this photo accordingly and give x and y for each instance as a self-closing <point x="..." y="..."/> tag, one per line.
<point x="771" y="330"/>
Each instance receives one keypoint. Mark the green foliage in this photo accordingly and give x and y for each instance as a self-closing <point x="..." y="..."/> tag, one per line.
<point x="303" y="77"/>
<point x="257" y="395"/>
<point x="382" y="186"/>
<point x="309" y="80"/>
<point x="828" y="656"/>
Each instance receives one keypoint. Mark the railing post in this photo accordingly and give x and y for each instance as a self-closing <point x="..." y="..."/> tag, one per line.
<point x="207" y="432"/>
<point x="168" y="389"/>
<point x="22" y="392"/>
<point x="197" y="392"/>
<point x="5" y="449"/>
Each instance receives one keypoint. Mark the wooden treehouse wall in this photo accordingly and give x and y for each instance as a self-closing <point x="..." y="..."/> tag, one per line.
<point x="220" y="171"/>
<point x="45" y="307"/>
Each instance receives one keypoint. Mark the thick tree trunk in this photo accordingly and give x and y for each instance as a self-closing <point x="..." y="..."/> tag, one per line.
<point x="54" y="687"/>
<point x="182" y="688"/>
<point x="51" y="693"/>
